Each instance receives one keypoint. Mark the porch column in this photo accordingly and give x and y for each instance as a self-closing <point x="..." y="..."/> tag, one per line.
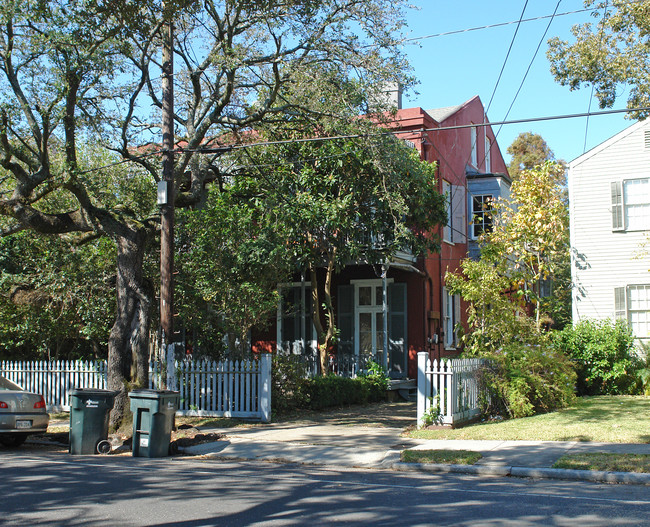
<point x="384" y="306"/>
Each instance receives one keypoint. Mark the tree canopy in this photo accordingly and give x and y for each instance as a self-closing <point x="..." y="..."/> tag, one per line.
<point x="78" y="73"/>
<point x="610" y="54"/>
<point x="528" y="150"/>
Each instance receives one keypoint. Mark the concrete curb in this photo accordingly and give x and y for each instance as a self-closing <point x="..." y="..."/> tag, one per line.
<point x="629" y="478"/>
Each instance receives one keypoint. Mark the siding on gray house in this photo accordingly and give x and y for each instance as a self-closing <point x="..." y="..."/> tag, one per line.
<point x="609" y="208"/>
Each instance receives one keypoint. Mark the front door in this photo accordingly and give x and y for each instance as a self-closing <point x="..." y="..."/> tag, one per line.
<point x="361" y="324"/>
<point x="369" y="318"/>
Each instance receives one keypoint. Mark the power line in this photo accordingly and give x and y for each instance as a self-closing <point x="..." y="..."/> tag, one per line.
<point x="222" y="149"/>
<point x="501" y="24"/>
<point x="505" y="61"/>
<point x="541" y="40"/>
<point x="600" y="43"/>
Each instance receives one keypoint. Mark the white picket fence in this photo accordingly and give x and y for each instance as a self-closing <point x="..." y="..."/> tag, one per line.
<point x="452" y="384"/>
<point x="217" y="389"/>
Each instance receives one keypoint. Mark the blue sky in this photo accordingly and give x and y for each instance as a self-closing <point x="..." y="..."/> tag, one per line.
<point x="453" y="68"/>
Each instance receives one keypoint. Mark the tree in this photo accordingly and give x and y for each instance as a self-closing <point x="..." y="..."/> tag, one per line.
<point x="231" y="258"/>
<point x="531" y="231"/>
<point x="528" y="150"/>
<point x="528" y="243"/>
<point x="350" y="200"/>
<point x="609" y="54"/>
<point x="57" y="300"/>
<point x="87" y="69"/>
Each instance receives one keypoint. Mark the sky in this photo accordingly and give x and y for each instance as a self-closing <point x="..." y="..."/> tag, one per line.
<point x="452" y="69"/>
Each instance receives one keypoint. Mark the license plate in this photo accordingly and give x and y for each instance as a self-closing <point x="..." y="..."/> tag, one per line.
<point x="23" y="424"/>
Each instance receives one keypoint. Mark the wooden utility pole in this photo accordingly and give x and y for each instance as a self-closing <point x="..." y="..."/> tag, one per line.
<point x="167" y="202"/>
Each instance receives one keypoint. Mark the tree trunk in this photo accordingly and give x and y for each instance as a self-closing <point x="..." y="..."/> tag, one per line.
<point x="325" y="335"/>
<point x="128" y="353"/>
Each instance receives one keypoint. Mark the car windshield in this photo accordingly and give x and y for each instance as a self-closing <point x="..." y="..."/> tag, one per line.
<point x="6" y="384"/>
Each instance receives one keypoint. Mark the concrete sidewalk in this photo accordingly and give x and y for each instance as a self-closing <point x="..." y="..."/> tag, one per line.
<point x="380" y="447"/>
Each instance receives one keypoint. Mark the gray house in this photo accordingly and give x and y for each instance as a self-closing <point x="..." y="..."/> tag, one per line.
<point x="609" y="196"/>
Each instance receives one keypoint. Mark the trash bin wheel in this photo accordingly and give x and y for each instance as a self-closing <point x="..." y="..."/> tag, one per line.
<point x="104" y="447"/>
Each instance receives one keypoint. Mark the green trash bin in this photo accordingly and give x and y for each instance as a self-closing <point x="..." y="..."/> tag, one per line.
<point x="89" y="413"/>
<point x="154" y="413"/>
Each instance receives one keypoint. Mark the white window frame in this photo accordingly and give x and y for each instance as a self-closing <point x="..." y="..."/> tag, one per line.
<point x="624" y="308"/>
<point x="446" y="230"/>
<point x="374" y="308"/>
<point x="450" y="318"/>
<point x="624" y="200"/>
<point x="481" y="214"/>
<point x="473" y="137"/>
<point x="488" y="156"/>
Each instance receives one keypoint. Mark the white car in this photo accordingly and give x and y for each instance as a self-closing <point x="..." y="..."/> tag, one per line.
<point x="21" y="413"/>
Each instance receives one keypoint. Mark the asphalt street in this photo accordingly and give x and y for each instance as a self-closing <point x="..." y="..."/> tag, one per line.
<point x="54" y="488"/>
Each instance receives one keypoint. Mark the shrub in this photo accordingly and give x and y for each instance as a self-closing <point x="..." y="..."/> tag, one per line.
<point x="523" y="379"/>
<point x="293" y="390"/>
<point x="288" y="383"/>
<point x="603" y="355"/>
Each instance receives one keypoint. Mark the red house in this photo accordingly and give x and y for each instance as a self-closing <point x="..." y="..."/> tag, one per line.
<point x="404" y="305"/>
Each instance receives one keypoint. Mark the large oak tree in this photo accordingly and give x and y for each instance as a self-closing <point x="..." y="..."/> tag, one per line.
<point x="88" y="72"/>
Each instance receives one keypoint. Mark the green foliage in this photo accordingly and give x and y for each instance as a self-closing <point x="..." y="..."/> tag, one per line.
<point x="289" y="381"/>
<point x="433" y="414"/>
<point x="231" y="258"/>
<point x="495" y="318"/>
<point x="56" y="298"/>
<point x="293" y="390"/>
<point x="609" y="55"/>
<point x="603" y="355"/>
<point x="330" y="390"/>
<point x="528" y="150"/>
<point x="377" y="380"/>
<point x="522" y="380"/>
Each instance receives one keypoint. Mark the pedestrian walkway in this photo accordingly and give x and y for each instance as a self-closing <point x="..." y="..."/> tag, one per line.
<point x="350" y="444"/>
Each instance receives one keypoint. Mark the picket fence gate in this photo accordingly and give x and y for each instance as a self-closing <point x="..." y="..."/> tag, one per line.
<point x="452" y="384"/>
<point x="239" y="389"/>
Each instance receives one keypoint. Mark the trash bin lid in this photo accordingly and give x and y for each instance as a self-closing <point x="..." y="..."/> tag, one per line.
<point x="151" y="394"/>
<point x="92" y="392"/>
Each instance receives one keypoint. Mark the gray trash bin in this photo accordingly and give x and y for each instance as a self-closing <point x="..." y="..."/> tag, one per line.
<point x="154" y="413"/>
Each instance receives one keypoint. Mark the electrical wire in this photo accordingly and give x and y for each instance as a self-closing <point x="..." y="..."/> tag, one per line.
<point x="541" y="40"/>
<point x="501" y="24"/>
<point x="591" y="97"/>
<point x="505" y="61"/>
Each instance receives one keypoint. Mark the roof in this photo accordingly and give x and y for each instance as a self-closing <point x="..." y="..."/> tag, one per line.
<point x="440" y="114"/>
<point x="609" y="142"/>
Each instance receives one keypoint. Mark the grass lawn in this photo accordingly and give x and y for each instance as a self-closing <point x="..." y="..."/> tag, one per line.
<point x="607" y="462"/>
<point x="608" y="419"/>
<point x="451" y="457"/>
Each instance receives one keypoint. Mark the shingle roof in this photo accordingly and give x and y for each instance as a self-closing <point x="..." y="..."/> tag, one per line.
<point x="440" y="114"/>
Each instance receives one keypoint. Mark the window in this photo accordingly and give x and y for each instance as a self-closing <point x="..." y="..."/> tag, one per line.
<point x="446" y="191"/>
<point x="632" y="303"/>
<point x="481" y="215"/>
<point x="488" y="157"/>
<point x="473" y="140"/>
<point x="296" y="333"/>
<point x="451" y="317"/>
<point x="455" y="231"/>
<point x="630" y="201"/>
